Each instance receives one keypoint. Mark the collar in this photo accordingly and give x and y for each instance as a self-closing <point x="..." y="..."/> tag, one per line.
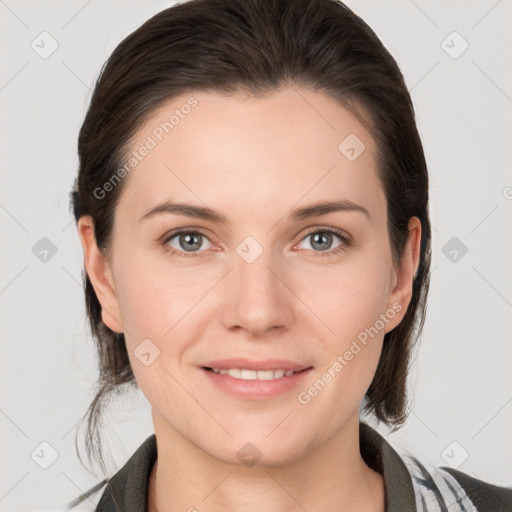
<point x="128" y="488"/>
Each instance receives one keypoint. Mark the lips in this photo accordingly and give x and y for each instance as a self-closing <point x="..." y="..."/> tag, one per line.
<point x="249" y="379"/>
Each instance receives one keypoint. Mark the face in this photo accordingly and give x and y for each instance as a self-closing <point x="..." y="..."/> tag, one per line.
<point x="265" y="285"/>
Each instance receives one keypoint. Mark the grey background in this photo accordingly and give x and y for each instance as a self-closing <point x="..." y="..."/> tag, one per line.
<point x="460" y="384"/>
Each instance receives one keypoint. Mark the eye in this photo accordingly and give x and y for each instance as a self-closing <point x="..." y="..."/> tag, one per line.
<point x="186" y="243"/>
<point x="322" y="239"/>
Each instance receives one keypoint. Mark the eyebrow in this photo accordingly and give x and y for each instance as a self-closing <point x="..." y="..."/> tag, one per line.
<point x="205" y="213"/>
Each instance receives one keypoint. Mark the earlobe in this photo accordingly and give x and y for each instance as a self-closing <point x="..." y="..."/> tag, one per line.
<point x="406" y="271"/>
<point x="98" y="269"/>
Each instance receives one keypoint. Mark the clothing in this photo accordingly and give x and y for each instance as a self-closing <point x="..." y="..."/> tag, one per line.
<point x="409" y="485"/>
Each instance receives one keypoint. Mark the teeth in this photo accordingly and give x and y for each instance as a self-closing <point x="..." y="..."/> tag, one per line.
<point x="244" y="374"/>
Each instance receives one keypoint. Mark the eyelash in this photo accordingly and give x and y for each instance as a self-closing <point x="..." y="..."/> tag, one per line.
<point x="318" y="254"/>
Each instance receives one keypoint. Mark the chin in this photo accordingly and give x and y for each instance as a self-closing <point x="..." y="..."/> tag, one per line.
<point x="258" y="450"/>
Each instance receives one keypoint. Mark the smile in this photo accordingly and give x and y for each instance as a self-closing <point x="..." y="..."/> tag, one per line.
<point x="256" y="384"/>
<point x="244" y="374"/>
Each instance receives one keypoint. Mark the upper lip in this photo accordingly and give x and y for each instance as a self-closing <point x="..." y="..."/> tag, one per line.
<point x="251" y="364"/>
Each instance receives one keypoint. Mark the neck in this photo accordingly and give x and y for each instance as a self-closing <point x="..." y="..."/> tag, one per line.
<point x="185" y="478"/>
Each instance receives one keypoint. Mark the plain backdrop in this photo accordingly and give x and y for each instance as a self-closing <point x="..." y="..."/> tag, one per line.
<point x="455" y="57"/>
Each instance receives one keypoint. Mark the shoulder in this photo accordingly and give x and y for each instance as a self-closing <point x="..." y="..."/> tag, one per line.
<point x="485" y="496"/>
<point x="451" y="489"/>
<point x="417" y="486"/>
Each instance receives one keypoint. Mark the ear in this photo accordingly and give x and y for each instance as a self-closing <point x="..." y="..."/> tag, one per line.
<point x="100" y="274"/>
<point x="403" y="276"/>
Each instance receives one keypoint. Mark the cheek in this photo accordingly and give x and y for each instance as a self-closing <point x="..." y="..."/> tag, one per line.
<point x="355" y="312"/>
<point x="349" y="298"/>
<point x="351" y="301"/>
<point x="154" y="297"/>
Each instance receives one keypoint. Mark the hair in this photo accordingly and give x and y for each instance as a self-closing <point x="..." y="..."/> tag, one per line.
<point x="256" y="47"/>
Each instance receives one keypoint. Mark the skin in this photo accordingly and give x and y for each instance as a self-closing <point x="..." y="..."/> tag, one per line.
<point x="254" y="160"/>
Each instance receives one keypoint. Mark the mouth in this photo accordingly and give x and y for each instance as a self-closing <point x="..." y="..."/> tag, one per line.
<point x="255" y="380"/>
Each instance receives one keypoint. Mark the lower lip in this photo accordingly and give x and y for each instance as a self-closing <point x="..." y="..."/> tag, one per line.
<point x="255" y="389"/>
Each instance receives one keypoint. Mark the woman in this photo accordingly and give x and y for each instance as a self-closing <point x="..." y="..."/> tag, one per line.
<point x="252" y="201"/>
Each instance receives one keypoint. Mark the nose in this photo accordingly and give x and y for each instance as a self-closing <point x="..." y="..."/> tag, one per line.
<point x="258" y="297"/>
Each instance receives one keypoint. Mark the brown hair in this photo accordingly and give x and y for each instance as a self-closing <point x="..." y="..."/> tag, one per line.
<point x="256" y="46"/>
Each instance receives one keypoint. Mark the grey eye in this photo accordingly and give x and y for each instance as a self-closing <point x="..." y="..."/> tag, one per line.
<point x="188" y="241"/>
<point x="321" y="240"/>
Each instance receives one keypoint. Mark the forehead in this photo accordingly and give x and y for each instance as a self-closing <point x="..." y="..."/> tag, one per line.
<point x="291" y="146"/>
